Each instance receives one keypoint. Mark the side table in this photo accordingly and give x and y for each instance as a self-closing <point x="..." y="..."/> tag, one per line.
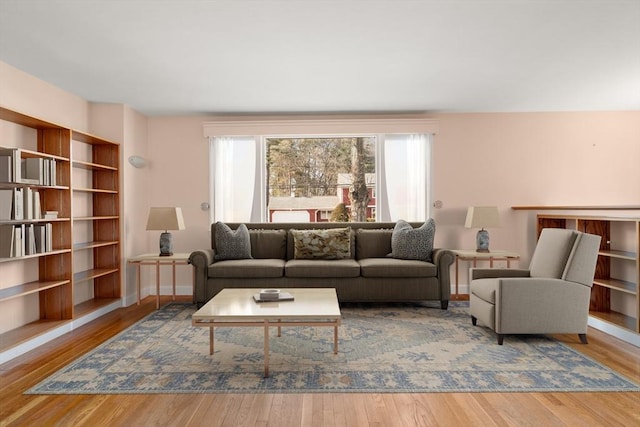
<point x="472" y="255"/>
<point x="157" y="260"/>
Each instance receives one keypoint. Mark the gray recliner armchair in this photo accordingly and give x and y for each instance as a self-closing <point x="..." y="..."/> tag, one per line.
<point x="552" y="296"/>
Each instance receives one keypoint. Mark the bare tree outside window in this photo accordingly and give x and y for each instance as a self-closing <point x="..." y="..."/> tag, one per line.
<point x="358" y="192"/>
<point x="320" y="171"/>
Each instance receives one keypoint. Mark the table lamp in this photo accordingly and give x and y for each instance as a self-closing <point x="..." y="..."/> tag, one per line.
<point x="165" y="219"/>
<point x="483" y="217"/>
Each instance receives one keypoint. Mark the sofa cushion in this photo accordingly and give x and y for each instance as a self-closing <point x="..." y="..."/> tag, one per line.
<point x="305" y="268"/>
<point x="232" y="244"/>
<point x="373" y="243"/>
<point x="247" y="268"/>
<point x="413" y="243"/>
<point x="391" y="267"/>
<point x="333" y="243"/>
<point x="268" y="244"/>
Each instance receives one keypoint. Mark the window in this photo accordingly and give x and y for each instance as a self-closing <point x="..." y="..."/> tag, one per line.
<point x="318" y="174"/>
<point x="398" y="181"/>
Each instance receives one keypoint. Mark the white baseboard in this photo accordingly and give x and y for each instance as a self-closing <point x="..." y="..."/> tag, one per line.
<point x="614" y="330"/>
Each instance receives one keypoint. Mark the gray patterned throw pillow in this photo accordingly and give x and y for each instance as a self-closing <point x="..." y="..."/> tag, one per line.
<point x="413" y="243"/>
<point x="232" y="244"/>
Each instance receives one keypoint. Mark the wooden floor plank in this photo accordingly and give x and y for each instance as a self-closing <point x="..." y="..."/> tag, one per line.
<point x="283" y="409"/>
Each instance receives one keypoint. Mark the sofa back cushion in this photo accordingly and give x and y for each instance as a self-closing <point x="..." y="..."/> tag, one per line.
<point x="268" y="244"/>
<point x="373" y="243"/>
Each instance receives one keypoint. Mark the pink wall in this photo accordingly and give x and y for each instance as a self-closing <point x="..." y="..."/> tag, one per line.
<point x="585" y="158"/>
<point x="582" y="158"/>
<point x="29" y="95"/>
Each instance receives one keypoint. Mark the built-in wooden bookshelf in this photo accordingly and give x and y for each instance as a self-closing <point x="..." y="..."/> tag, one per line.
<point x="615" y="295"/>
<point x="81" y="271"/>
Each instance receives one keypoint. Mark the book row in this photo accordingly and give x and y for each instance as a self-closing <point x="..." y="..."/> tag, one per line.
<point x="25" y="239"/>
<point x="22" y="204"/>
<point x="30" y="170"/>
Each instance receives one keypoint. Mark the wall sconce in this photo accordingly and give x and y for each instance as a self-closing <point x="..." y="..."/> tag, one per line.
<point x="137" y="161"/>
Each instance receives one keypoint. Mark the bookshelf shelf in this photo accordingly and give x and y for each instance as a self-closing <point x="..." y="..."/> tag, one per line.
<point x="92" y="166"/>
<point x="90" y="245"/>
<point x="95" y="218"/>
<point x="84" y="276"/>
<point x="29" y="288"/>
<point x="95" y="190"/>
<point x="43" y="254"/>
<point x="70" y="167"/>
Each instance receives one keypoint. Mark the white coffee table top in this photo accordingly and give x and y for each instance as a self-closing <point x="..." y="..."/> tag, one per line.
<point x="239" y="305"/>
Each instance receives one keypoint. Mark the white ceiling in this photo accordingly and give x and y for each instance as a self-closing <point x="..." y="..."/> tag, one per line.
<point x="267" y="56"/>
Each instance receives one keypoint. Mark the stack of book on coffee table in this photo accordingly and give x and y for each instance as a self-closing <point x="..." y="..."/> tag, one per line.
<point x="272" y="295"/>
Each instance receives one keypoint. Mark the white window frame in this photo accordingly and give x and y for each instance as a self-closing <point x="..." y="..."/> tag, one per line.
<point x="322" y="128"/>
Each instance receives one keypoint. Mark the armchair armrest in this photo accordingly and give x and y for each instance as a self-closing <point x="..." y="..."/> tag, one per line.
<point x="493" y="273"/>
<point x="201" y="260"/>
<point x="531" y="305"/>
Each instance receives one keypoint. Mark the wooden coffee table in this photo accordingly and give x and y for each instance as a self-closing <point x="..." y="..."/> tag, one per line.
<point x="236" y="307"/>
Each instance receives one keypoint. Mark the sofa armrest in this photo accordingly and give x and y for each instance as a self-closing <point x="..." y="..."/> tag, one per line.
<point x="493" y="273"/>
<point x="443" y="259"/>
<point x="201" y="260"/>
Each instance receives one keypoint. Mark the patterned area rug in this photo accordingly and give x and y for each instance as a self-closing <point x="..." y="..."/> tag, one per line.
<point x="382" y="348"/>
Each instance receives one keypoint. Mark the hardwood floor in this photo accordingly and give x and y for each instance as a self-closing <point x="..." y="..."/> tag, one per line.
<point x="379" y="409"/>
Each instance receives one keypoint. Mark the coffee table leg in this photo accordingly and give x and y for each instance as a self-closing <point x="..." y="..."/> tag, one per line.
<point x="335" y="339"/>
<point x="266" y="349"/>
<point x="211" y="340"/>
<point x="279" y="328"/>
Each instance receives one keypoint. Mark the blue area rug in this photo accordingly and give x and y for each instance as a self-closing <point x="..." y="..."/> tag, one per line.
<point x="382" y="348"/>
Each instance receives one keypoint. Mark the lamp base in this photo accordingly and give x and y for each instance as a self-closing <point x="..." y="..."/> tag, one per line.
<point x="166" y="244"/>
<point x="482" y="241"/>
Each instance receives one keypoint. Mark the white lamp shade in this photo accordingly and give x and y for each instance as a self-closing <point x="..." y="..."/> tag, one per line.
<point x="482" y="217"/>
<point x="165" y="219"/>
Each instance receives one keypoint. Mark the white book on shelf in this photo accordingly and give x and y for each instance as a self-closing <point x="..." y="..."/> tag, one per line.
<point x="6" y="168"/>
<point x="37" y="205"/>
<point x="18" y="245"/>
<point x="54" y="180"/>
<point x="6" y="203"/>
<point x="29" y="240"/>
<point x="7" y="240"/>
<point x="49" y="237"/>
<point x="27" y="205"/>
<point x="16" y="162"/>
<point x="45" y="171"/>
<point x="32" y="170"/>
<point x="51" y="215"/>
<point x="18" y="211"/>
<point x="40" y="235"/>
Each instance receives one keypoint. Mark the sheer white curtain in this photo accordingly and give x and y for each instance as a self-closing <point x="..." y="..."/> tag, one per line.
<point x="236" y="181"/>
<point x="404" y="170"/>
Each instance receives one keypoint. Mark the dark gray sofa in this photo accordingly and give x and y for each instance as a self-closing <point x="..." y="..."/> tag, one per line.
<point x="368" y="276"/>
